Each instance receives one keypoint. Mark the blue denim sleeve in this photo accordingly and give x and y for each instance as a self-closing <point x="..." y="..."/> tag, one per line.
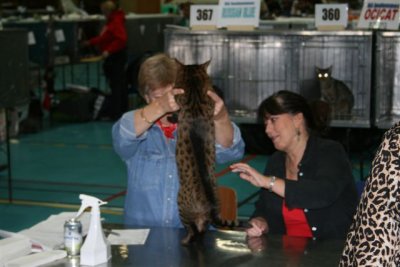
<point x="235" y="151"/>
<point x="125" y="141"/>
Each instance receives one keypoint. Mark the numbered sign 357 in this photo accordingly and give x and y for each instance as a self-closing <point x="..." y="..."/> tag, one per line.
<point x="201" y="15"/>
<point x="331" y="15"/>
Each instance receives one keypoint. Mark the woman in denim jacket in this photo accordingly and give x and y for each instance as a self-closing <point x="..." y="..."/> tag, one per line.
<point x="146" y="139"/>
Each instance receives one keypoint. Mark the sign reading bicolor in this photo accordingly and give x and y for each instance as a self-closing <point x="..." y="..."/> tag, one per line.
<point x="203" y="15"/>
<point x="380" y="14"/>
<point x="239" y="13"/>
<point x="331" y="15"/>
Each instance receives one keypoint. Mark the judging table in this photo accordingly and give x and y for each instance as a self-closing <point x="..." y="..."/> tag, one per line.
<point x="222" y="248"/>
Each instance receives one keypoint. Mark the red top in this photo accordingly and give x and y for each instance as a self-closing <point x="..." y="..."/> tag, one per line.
<point x="295" y="221"/>
<point x="167" y="130"/>
<point x="113" y="35"/>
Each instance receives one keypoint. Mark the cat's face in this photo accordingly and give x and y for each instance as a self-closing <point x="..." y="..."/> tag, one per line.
<point x="323" y="74"/>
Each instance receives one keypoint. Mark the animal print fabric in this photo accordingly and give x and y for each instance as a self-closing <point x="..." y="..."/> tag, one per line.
<point x="374" y="238"/>
<point x="195" y="151"/>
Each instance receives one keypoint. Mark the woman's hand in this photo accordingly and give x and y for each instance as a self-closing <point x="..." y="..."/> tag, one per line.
<point x="220" y="111"/>
<point x="223" y="126"/>
<point x="160" y="102"/>
<point x="167" y="102"/>
<point x="105" y="54"/>
<point x="249" y="174"/>
<point x="258" y="227"/>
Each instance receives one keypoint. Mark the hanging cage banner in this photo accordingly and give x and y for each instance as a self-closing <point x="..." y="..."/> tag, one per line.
<point x="381" y="14"/>
<point x="239" y="13"/>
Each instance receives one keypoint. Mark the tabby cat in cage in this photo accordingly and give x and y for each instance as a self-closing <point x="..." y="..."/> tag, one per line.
<point x="335" y="92"/>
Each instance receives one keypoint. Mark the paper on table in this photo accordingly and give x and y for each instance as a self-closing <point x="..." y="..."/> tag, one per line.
<point x="14" y="247"/>
<point x="37" y="259"/>
<point x="49" y="234"/>
<point x="128" y="236"/>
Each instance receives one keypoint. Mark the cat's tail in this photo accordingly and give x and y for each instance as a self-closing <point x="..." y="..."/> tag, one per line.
<point x="204" y="150"/>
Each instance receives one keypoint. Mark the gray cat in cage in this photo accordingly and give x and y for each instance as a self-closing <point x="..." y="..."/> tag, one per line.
<point x="335" y="92"/>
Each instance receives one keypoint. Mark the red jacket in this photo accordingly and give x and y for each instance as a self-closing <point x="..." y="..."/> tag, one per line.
<point x="113" y="36"/>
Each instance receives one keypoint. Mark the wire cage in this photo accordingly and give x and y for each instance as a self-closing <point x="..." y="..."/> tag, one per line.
<point x="348" y="55"/>
<point x="250" y="66"/>
<point x="387" y="79"/>
<point x="247" y="67"/>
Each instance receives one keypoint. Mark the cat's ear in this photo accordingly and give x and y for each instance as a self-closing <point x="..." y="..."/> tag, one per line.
<point x="330" y="69"/>
<point x="178" y="63"/>
<point x="206" y="64"/>
<point x="317" y="70"/>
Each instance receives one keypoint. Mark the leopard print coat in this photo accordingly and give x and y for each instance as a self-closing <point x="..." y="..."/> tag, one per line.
<point x="374" y="237"/>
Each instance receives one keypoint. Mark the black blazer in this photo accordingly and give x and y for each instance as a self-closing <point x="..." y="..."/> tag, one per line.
<point x="325" y="190"/>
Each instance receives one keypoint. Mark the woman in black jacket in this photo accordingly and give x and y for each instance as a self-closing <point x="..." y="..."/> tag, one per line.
<point x="307" y="188"/>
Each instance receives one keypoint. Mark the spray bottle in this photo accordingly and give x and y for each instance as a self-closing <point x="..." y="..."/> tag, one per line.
<point x="96" y="249"/>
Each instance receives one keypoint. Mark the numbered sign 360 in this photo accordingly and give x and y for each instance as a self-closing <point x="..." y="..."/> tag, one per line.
<point x="202" y="15"/>
<point x="331" y="15"/>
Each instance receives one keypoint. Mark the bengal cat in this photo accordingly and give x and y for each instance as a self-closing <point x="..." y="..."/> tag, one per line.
<point x="195" y="151"/>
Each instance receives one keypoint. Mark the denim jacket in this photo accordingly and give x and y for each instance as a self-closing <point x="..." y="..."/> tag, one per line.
<point x="153" y="181"/>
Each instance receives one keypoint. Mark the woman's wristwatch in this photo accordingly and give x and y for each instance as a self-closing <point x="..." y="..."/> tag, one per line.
<point x="271" y="183"/>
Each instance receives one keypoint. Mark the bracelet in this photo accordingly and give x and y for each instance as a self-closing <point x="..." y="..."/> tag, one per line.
<point x="144" y="118"/>
<point x="271" y="183"/>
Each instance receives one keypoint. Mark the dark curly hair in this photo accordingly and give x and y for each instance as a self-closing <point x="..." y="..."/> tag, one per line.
<point x="290" y="102"/>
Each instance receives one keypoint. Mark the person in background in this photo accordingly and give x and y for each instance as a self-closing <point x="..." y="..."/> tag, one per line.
<point x="112" y="43"/>
<point x="184" y="11"/>
<point x="286" y="8"/>
<point x="307" y="189"/>
<point x="169" y="7"/>
<point x="304" y="7"/>
<point x="145" y="139"/>
<point x="274" y="8"/>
